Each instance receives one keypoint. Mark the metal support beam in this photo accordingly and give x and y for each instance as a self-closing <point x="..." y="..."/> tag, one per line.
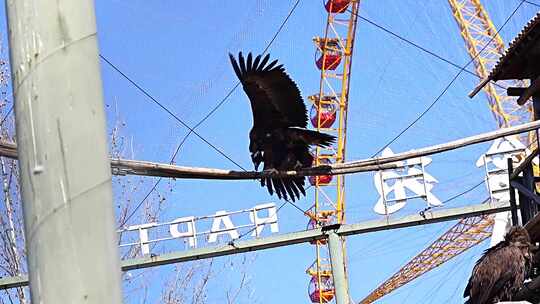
<point x="13" y="282"/>
<point x="315" y="234"/>
<point x="513" y="208"/>
<point x="292" y="238"/>
<point x="523" y="164"/>
<point x="524" y="191"/>
<point x="529" y="207"/>
<point x="338" y="267"/>
<point x="63" y="153"/>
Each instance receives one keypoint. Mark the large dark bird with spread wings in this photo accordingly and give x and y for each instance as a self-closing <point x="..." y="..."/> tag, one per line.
<point x="278" y="137"/>
<point x="502" y="270"/>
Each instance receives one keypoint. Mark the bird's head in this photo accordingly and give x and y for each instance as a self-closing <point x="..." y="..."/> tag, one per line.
<point x="518" y="236"/>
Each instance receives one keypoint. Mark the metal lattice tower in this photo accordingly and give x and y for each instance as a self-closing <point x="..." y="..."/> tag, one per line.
<point x="466" y="234"/>
<point x="329" y="115"/>
<point x="477" y="31"/>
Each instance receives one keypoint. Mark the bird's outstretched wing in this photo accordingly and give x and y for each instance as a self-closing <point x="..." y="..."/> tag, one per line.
<point x="275" y="99"/>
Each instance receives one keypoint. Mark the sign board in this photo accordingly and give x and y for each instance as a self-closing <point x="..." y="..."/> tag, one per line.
<point x="408" y="181"/>
<point x="191" y="231"/>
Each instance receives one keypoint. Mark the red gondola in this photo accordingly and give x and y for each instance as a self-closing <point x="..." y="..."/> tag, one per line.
<point x="331" y="61"/>
<point x="337" y="6"/>
<point x="332" y="48"/>
<point x="322" y="180"/>
<point x="328" y="115"/>
<point x="324" y="293"/>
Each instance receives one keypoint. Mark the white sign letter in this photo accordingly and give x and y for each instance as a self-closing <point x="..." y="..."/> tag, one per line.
<point x="190" y="233"/>
<point x="495" y="162"/>
<point x="410" y="176"/>
<point x="143" y="235"/>
<point x="260" y="222"/>
<point x="222" y="216"/>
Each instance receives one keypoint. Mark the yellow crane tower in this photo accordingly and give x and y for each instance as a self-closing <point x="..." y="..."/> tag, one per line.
<point x="485" y="46"/>
<point x="329" y="114"/>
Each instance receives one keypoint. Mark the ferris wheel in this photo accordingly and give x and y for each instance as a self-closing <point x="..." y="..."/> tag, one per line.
<point x="329" y="114"/>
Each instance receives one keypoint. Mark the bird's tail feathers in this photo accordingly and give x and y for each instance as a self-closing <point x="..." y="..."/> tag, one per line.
<point x="313" y="137"/>
<point x="286" y="188"/>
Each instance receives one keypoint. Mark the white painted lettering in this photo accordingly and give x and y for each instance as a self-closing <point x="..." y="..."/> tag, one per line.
<point x="189" y="221"/>
<point x="260" y="222"/>
<point x="229" y="228"/>
<point x="143" y="235"/>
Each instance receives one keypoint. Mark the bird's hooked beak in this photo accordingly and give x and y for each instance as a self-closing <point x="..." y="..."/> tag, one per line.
<point x="257" y="158"/>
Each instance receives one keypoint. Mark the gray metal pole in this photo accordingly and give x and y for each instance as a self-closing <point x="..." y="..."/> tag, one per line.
<point x="338" y="267"/>
<point x="63" y="157"/>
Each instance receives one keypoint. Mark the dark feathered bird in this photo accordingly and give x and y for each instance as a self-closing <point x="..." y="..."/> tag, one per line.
<point x="501" y="271"/>
<point x="278" y="137"/>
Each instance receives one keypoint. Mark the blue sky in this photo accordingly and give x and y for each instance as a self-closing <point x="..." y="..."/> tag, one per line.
<point x="177" y="51"/>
